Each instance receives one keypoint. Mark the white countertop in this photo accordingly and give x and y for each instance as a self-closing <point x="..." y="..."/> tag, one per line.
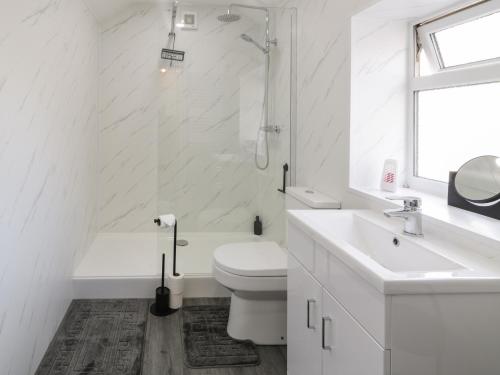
<point x="479" y="265"/>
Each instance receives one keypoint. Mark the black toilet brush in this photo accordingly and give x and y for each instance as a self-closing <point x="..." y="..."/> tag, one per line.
<point x="161" y="305"/>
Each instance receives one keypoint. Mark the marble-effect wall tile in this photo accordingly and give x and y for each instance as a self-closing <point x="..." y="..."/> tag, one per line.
<point x="379" y="96"/>
<point x="48" y="168"/>
<point x="129" y="106"/>
<point x="207" y="180"/>
<point x="324" y="92"/>
<point x="194" y="152"/>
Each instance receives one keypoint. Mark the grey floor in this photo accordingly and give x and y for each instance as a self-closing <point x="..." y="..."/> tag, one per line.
<point x="163" y="352"/>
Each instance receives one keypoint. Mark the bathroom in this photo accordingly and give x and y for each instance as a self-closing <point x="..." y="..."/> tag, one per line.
<point x="266" y="187"/>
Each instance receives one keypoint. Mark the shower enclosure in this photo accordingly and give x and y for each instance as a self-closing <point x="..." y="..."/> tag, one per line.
<point x="202" y="139"/>
<point x="226" y="130"/>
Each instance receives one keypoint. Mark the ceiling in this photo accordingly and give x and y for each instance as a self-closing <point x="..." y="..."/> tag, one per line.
<point x="104" y="9"/>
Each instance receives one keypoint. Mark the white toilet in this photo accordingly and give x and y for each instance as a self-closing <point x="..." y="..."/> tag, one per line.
<point x="255" y="272"/>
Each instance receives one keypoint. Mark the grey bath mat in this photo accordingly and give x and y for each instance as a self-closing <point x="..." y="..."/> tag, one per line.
<point x="207" y="344"/>
<point x="102" y="337"/>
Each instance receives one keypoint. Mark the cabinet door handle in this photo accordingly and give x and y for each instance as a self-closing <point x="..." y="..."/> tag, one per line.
<point x="325" y="319"/>
<point x="309" y="302"/>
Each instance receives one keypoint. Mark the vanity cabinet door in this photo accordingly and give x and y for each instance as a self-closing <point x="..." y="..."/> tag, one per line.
<point x="301" y="246"/>
<point x="303" y="321"/>
<point x="347" y="348"/>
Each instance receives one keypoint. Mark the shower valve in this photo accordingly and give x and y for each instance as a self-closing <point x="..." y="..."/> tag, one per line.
<point x="271" y="129"/>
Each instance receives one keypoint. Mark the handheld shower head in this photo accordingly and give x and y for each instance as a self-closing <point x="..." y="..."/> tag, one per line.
<point x="249" y="39"/>
<point x="246" y="38"/>
<point x="229" y="17"/>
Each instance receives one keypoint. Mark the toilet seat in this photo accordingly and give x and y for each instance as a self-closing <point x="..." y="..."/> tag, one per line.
<point x="250" y="284"/>
<point x="252" y="266"/>
<point x="252" y="259"/>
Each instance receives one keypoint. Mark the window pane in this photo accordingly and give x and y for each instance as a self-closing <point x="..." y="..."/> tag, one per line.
<point x="474" y="41"/>
<point x="456" y="125"/>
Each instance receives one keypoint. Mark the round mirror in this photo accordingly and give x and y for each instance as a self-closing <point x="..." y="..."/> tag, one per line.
<point x="478" y="180"/>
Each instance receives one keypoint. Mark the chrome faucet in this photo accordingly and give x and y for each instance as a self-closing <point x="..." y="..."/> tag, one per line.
<point x="411" y="213"/>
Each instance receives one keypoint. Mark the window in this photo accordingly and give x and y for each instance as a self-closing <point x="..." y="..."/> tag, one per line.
<point x="469" y="42"/>
<point x="454" y="125"/>
<point x="455" y="91"/>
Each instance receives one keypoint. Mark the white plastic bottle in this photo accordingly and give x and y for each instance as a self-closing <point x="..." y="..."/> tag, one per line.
<point x="390" y="176"/>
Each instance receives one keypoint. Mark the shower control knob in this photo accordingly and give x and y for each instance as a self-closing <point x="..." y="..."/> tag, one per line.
<point x="271" y="129"/>
<point x="157" y="222"/>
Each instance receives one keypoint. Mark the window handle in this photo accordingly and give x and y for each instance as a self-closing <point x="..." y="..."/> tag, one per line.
<point x="309" y="303"/>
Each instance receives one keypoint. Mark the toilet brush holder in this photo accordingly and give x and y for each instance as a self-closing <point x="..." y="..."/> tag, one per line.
<point x="161" y="307"/>
<point x="162" y="302"/>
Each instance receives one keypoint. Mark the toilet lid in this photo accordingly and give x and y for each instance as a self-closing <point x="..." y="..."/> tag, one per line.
<point x="252" y="259"/>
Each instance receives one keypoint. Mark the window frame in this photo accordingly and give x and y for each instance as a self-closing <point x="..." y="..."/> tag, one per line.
<point x="454" y="18"/>
<point x="475" y="73"/>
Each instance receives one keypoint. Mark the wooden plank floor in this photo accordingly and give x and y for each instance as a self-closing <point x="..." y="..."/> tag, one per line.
<point x="163" y="352"/>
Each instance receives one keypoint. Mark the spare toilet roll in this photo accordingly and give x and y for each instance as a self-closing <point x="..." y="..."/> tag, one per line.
<point x="176" y="286"/>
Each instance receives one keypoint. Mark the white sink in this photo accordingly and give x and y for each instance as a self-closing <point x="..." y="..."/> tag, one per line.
<point x="392" y="251"/>
<point x="375" y="248"/>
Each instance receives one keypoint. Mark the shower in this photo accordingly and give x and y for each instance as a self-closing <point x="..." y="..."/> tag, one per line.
<point x="264" y="126"/>
<point x="249" y="39"/>
<point x="195" y="146"/>
<point x="228" y="17"/>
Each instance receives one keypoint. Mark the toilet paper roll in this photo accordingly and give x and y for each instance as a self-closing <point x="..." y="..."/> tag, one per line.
<point x="176" y="283"/>
<point x="175" y="301"/>
<point x="167" y="221"/>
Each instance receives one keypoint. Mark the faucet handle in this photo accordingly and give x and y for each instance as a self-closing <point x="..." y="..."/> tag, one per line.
<point x="411" y="203"/>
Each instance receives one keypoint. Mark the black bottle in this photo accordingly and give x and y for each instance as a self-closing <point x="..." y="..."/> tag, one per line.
<point x="257" y="226"/>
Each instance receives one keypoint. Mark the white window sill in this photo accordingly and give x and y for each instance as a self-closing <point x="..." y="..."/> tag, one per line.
<point x="436" y="210"/>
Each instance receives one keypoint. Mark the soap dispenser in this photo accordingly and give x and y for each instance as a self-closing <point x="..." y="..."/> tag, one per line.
<point x="257" y="226"/>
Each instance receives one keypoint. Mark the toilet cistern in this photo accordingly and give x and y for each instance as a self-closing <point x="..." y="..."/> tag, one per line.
<point x="411" y="213"/>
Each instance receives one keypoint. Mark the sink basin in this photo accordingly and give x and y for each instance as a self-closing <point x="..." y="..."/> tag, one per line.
<point x="391" y="251"/>
<point x="376" y="248"/>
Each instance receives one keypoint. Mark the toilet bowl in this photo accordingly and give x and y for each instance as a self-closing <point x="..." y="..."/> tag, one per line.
<point x="255" y="272"/>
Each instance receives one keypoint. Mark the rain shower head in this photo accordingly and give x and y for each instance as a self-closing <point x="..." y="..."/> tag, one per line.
<point x="229" y="17"/>
<point x="249" y="39"/>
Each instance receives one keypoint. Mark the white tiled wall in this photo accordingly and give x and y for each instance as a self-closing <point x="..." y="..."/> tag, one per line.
<point x="324" y="104"/>
<point x="129" y="107"/>
<point x="324" y="73"/>
<point x="380" y="79"/>
<point x="323" y="94"/>
<point x="206" y="167"/>
<point x="323" y="115"/>
<point x="192" y="130"/>
<point x="379" y="98"/>
<point x="48" y="168"/>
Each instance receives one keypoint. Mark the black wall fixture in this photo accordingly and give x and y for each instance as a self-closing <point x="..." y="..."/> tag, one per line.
<point x="285" y="171"/>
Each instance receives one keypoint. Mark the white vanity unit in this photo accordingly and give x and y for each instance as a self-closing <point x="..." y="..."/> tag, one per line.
<point x="364" y="299"/>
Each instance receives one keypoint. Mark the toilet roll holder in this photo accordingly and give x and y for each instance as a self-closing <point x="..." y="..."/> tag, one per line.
<point x="161" y="307"/>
